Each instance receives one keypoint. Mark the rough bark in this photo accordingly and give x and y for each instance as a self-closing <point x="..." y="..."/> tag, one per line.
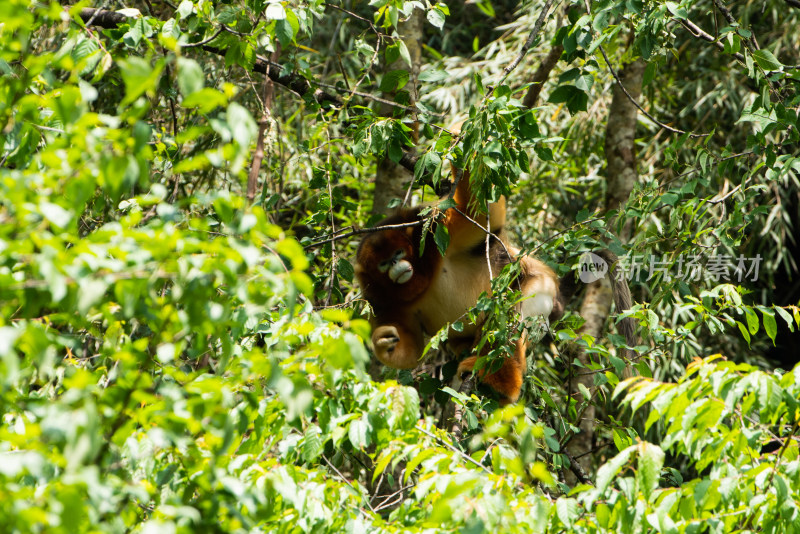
<point x="392" y="180"/>
<point x="621" y="177"/>
<point x="620" y="145"/>
<point x="541" y="75"/>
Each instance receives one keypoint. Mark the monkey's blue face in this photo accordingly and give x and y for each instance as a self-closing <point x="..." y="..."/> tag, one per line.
<point x="399" y="269"/>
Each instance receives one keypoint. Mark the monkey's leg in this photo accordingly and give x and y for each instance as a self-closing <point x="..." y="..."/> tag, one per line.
<point x="507" y="381"/>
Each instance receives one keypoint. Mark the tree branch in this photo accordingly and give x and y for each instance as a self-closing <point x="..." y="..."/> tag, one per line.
<point x="541" y="75"/>
<point x="275" y="71"/>
<point x="537" y="27"/>
<point x="263" y="123"/>
<point x="750" y="42"/>
<point x="698" y="32"/>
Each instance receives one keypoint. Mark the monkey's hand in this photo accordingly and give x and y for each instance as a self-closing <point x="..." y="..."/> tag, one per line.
<point x="385" y="339"/>
<point x="396" y="347"/>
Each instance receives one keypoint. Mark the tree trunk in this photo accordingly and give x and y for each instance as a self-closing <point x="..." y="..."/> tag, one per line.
<point x="392" y="180"/>
<point x="621" y="173"/>
<point x="621" y="176"/>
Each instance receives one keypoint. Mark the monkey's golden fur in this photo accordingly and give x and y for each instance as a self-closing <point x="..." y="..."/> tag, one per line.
<point x="442" y="288"/>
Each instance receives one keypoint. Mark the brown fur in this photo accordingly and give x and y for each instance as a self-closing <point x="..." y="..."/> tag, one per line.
<point x="443" y="288"/>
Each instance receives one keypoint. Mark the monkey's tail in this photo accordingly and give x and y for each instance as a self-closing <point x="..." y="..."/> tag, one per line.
<point x="568" y="286"/>
<point x="622" y="300"/>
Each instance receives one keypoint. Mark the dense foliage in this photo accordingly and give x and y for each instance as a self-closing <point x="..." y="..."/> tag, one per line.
<point x="182" y="187"/>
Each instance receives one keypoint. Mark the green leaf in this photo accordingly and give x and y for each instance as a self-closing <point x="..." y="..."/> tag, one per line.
<point x="345" y="269"/>
<point x="89" y="293"/>
<point x="358" y="433"/>
<point x="383" y="461"/>
<point x="55" y="214"/>
<point x="442" y="238"/>
<point x="601" y="19"/>
<point x="648" y="474"/>
<point x="405" y="405"/>
<point x="185" y="9"/>
<point x="767" y="60"/>
<point x="205" y="100"/>
<point x="786" y="317"/>
<point x="487" y="7"/>
<point x="567" y="510"/>
<point x="242" y="124"/>
<point x="752" y="320"/>
<point x="611" y="469"/>
<point x="312" y="444"/>
<point x="743" y="330"/>
<point x="285" y="31"/>
<point x="403" y="50"/>
<point x="275" y="11"/>
<point x="416" y="460"/>
<point x="394" y="80"/>
<point x="436" y="18"/>
<point x="677" y="10"/>
<point x="139" y="77"/>
<point x="190" y="76"/>
<point x="8" y="336"/>
<point x="770" y="325"/>
<point x="575" y="99"/>
<point x="392" y="53"/>
<point x="433" y="75"/>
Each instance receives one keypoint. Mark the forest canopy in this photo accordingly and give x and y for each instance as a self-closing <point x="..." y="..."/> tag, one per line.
<point x="183" y="189"/>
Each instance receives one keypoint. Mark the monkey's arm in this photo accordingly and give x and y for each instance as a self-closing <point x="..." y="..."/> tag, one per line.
<point x="398" y="341"/>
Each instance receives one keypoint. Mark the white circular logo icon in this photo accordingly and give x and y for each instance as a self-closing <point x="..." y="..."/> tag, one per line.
<point x="593" y="268"/>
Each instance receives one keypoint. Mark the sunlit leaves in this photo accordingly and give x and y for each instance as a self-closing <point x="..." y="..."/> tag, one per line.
<point x="163" y="363"/>
<point x="140" y="77"/>
<point x="767" y="60"/>
<point x="190" y="76"/>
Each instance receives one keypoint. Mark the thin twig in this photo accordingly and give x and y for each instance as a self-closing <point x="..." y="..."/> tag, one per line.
<point x="786" y="442"/>
<point x="466" y="388"/>
<point x="638" y="106"/>
<point x="729" y="194"/>
<point x="486" y="231"/>
<point x="698" y="32"/>
<point x="363" y="231"/>
<point x="537" y="27"/>
<point x="454" y="449"/>
<point x="576" y="468"/>
<point x="344" y="479"/>
<point x="750" y="42"/>
<point x="627" y="94"/>
<point x="204" y="41"/>
<point x="263" y="123"/>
